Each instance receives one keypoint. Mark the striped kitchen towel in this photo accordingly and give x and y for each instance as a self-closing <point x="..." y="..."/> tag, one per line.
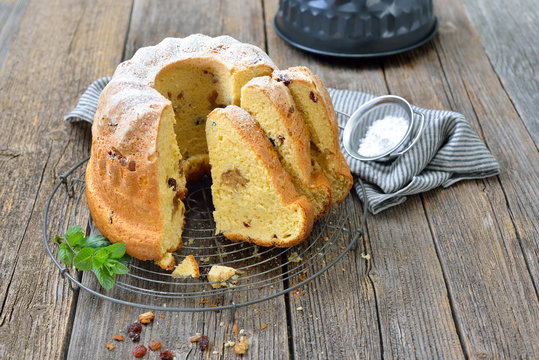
<point x="448" y="151"/>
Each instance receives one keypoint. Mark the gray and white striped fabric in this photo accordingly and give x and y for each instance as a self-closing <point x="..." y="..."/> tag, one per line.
<point x="448" y="151"/>
<point x="87" y="105"/>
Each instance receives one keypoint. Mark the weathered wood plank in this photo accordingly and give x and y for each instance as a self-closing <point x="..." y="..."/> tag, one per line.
<point x="508" y="31"/>
<point x="11" y="13"/>
<point x="481" y="228"/>
<point x="53" y="45"/>
<point x="150" y="23"/>
<point x="239" y="19"/>
<point x="175" y="329"/>
<point x="412" y="306"/>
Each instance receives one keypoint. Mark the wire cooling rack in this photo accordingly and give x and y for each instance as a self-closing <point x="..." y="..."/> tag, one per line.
<point x="262" y="273"/>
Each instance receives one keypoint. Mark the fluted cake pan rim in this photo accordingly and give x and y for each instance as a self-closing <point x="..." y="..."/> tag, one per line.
<point x="364" y="48"/>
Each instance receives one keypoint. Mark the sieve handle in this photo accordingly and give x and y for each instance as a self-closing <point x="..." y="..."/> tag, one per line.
<point x="418" y="135"/>
<point x="343" y="114"/>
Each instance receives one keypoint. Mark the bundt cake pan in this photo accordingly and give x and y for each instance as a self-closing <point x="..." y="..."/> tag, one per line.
<point x="356" y="28"/>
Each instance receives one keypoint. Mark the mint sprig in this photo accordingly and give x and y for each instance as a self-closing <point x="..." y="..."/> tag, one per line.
<point x="94" y="252"/>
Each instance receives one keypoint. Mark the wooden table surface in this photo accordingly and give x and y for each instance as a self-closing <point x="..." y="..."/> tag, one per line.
<point x="453" y="273"/>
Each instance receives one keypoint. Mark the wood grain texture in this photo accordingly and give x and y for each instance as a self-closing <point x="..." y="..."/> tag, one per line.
<point x="150" y="23"/>
<point x="508" y="32"/>
<point x="453" y="273"/>
<point x="55" y="44"/>
<point x="334" y="316"/>
<point x="404" y="280"/>
<point x="175" y="329"/>
<point x="485" y="266"/>
<point x="11" y="13"/>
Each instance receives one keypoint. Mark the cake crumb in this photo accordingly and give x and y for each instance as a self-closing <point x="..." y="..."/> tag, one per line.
<point x="229" y="344"/>
<point x="263" y="326"/>
<point x="221" y="324"/>
<point x="195" y="338"/>
<point x="366" y="256"/>
<point x="110" y="346"/>
<point x="219" y="274"/>
<point x="326" y="238"/>
<point x="162" y="316"/>
<point x="146" y="318"/>
<point x="242" y="331"/>
<point x="294" y="257"/>
<point x="235" y="329"/>
<point x="118" y="337"/>
<point x="187" y="268"/>
<point x="154" y="345"/>
<point x="241" y="347"/>
<point x="299" y="308"/>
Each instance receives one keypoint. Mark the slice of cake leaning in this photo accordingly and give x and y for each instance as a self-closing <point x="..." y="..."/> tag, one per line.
<point x="314" y="104"/>
<point x="272" y="106"/>
<point x="253" y="196"/>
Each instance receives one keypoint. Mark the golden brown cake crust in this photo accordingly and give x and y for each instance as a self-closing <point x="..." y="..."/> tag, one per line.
<point x="294" y="131"/>
<point x="253" y="136"/>
<point x="121" y="171"/>
<point x="320" y="94"/>
<point x="188" y="267"/>
<point x="121" y="185"/>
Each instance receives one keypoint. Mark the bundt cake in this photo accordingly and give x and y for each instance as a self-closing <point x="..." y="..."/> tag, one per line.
<point x="253" y="196"/>
<point x="149" y="139"/>
<point x="148" y="136"/>
<point x="314" y="104"/>
<point x="270" y="103"/>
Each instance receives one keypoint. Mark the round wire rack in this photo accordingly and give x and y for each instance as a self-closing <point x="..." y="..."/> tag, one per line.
<point x="261" y="273"/>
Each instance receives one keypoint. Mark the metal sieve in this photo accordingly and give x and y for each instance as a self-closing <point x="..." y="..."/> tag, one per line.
<point x="388" y="122"/>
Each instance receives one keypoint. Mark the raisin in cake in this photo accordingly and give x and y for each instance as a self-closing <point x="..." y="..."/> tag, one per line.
<point x="314" y="104"/>
<point x="253" y="196"/>
<point x="270" y="103"/>
<point x="148" y="135"/>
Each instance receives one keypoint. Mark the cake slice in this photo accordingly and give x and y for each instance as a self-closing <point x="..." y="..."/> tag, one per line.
<point x="253" y="196"/>
<point x="314" y="104"/>
<point x="270" y="103"/>
<point x="134" y="186"/>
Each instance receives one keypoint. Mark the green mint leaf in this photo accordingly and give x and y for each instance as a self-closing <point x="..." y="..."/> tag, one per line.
<point x="116" y="267"/>
<point x="94" y="252"/>
<point x="106" y="279"/>
<point x="108" y="267"/>
<point x="116" y="250"/>
<point x="100" y="257"/>
<point x="103" y="253"/>
<point x="95" y="241"/>
<point x="83" y="260"/>
<point x="125" y="259"/>
<point x="74" y="235"/>
<point x="58" y="239"/>
<point x="65" y="254"/>
<point x="120" y="268"/>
